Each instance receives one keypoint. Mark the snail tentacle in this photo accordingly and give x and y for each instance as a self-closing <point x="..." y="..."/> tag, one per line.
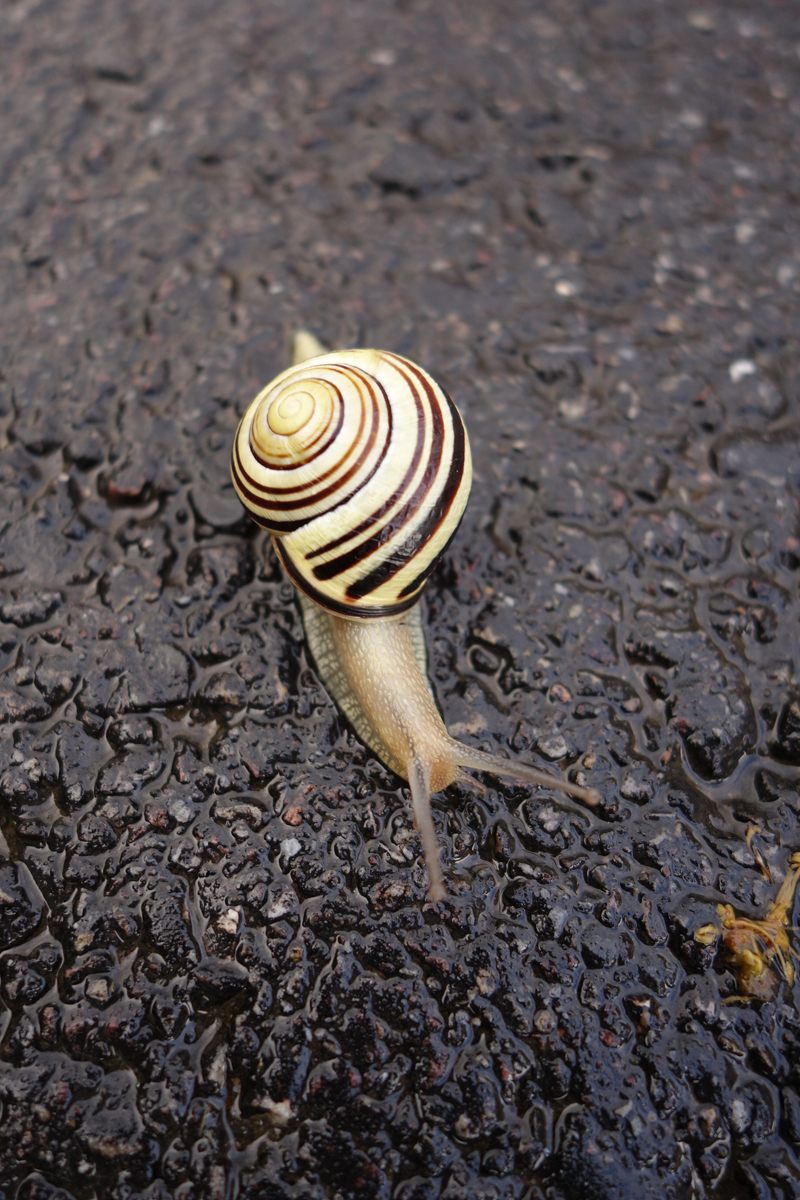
<point x="306" y="345"/>
<point x="495" y="764"/>
<point x="419" y="782"/>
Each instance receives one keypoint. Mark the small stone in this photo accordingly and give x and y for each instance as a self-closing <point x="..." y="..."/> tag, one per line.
<point x="600" y="946"/>
<point x="86" y="449"/>
<point x="97" y="990"/>
<point x="130" y="484"/>
<point x="22" y="983"/>
<point x="553" y="748"/>
<point x="756" y="543"/>
<point x="220" y="570"/>
<point x="741" y="369"/>
<point x="156" y="816"/>
<point x="220" y="508"/>
<point x="137" y="731"/>
<point x="123" y="585"/>
<point x="281" y="905"/>
<point x="184" y="854"/>
<point x="19" y="706"/>
<point x="391" y="893"/>
<point x="574" y="410"/>
<point x="704" y="21"/>
<point x="787" y="742"/>
<point x="544" y="1021"/>
<point x="31" y="611"/>
<point x="229" y="922"/>
<point x="217" y="981"/>
<point x="278" y="1112"/>
<point x="82" y="871"/>
<point x="225" y="690"/>
<point x="42" y="437"/>
<point x="638" y="790"/>
<point x="96" y="833"/>
<point x="107" y="1123"/>
<point x="227" y="812"/>
<point x="181" y="810"/>
<point x="131" y="768"/>
<point x="482" y="1109"/>
<point x="717" y="726"/>
<point x="167" y="924"/>
<point x="56" y="676"/>
<point x="119" y="811"/>
<point x="21" y="906"/>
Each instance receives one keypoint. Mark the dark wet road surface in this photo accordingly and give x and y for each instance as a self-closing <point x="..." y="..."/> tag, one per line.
<point x="219" y="976"/>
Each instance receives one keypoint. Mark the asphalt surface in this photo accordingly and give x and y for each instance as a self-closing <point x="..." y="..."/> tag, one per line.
<point x="219" y="975"/>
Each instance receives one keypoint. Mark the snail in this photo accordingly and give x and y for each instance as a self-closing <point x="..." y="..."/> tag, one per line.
<point x="359" y="465"/>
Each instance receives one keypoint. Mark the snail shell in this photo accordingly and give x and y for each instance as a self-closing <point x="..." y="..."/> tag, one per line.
<point x="359" y="464"/>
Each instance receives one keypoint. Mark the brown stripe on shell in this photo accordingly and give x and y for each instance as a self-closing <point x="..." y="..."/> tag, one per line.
<point x="388" y="504"/>
<point x="293" y="466"/>
<point x="344" y="562"/>
<point x="411" y="589"/>
<point x="361" y="377"/>
<point x="343" y="609"/>
<point x="315" y="497"/>
<point x="441" y="509"/>
<point x="269" y="465"/>
<point x="424" y="531"/>
<point x="306" y="501"/>
<point x="369" y="548"/>
<point x="285" y="491"/>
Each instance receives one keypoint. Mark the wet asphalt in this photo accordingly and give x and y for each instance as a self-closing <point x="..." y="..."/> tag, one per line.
<point x="220" y="978"/>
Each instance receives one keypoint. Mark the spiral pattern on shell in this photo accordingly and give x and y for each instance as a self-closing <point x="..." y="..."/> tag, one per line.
<point x="359" y="465"/>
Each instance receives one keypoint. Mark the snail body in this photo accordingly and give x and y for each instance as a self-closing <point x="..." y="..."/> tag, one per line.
<point x="359" y="465"/>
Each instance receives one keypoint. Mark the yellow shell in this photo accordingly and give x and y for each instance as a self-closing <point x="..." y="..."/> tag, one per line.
<point x="359" y="465"/>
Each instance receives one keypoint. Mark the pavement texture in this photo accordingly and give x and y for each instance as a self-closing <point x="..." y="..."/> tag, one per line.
<point x="220" y="978"/>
